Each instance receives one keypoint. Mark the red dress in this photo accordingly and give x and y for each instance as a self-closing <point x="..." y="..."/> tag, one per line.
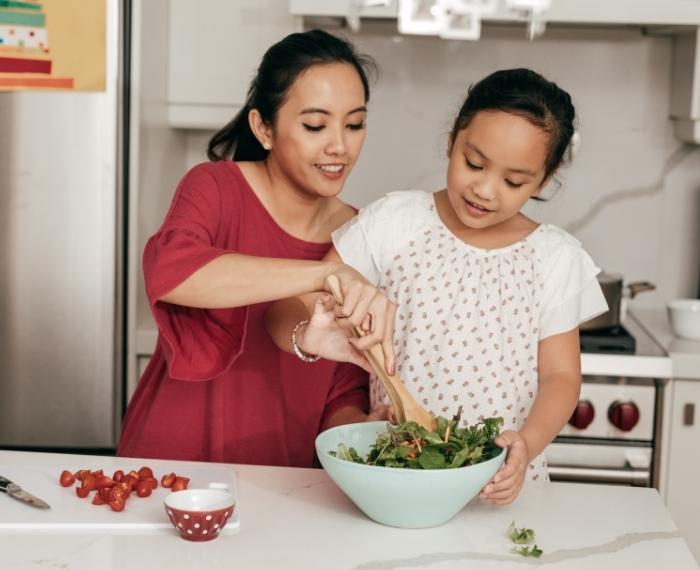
<point x="217" y="388"/>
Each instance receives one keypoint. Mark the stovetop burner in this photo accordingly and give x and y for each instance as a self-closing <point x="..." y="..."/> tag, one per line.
<point x="613" y="340"/>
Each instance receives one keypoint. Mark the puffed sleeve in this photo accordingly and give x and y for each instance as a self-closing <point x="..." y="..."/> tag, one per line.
<point x="369" y="241"/>
<point x="199" y="344"/>
<point x="350" y="388"/>
<point x="355" y="243"/>
<point x="571" y="293"/>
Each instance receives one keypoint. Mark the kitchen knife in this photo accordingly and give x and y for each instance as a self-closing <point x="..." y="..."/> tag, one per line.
<point x="16" y="492"/>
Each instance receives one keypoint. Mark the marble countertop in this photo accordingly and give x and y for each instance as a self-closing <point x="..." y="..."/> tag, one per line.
<point x="684" y="353"/>
<point x="298" y="518"/>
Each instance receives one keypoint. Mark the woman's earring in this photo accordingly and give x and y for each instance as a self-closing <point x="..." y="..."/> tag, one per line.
<point x="267" y="146"/>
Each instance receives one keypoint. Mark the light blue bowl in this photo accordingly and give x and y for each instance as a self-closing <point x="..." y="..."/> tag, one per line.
<point x="407" y="498"/>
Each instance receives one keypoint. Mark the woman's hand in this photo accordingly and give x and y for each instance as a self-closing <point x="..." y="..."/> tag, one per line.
<point x="506" y="484"/>
<point x="326" y="338"/>
<point x="364" y="306"/>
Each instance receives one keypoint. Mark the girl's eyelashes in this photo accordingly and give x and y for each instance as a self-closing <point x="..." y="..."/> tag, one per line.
<point x="509" y="183"/>
<point x="317" y="128"/>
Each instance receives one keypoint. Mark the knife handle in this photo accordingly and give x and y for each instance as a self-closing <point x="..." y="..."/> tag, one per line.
<point x="5" y="484"/>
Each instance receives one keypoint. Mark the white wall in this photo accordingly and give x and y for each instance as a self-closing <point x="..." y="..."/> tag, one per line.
<point x="632" y="195"/>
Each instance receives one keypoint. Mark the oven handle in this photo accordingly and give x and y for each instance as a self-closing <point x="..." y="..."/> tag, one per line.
<point x="624" y="476"/>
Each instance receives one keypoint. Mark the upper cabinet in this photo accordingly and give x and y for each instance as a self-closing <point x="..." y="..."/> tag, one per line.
<point x="603" y="12"/>
<point x="215" y="48"/>
<point x="678" y="18"/>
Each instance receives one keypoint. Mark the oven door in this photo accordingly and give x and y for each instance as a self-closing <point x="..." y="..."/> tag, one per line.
<point x="592" y="463"/>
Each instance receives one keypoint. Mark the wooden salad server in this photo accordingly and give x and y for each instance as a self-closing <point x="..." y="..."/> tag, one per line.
<point x="405" y="406"/>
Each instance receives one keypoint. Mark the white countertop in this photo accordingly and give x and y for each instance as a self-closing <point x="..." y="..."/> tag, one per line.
<point x="297" y="518"/>
<point x="684" y="353"/>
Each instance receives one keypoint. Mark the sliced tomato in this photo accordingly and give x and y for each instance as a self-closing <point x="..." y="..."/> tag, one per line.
<point x="80" y="475"/>
<point x="89" y="482"/>
<point x="180" y="484"/>
<point x="82" y="492"/>
<point x="98" y="499"/>
<point x="167" y="480"/>
<point x="145" y="473"/>
<point x="103" y="481"/>
<point x="118" y="475"/>
<point x="117" y="504"/>
<point x="66" y="479"/>
<point x="143" y="488"/>
<point x="130" y="481"/>
<point x="152" y="481"/>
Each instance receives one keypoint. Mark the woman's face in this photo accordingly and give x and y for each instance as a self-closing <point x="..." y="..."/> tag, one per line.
<point x="496" y="164"/>
<point x="319" y="130"/>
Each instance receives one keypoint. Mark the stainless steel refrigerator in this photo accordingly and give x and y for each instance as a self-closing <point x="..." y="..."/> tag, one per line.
<point x="61" y="202"/>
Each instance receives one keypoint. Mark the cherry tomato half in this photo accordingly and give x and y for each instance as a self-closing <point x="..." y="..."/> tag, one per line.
<point x="67" y="478"/>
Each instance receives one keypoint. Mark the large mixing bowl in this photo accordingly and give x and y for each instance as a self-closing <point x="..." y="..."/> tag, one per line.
<point x="407" y="498"/>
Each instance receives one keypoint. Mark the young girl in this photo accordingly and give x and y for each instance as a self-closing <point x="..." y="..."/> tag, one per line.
<point x="488" y="301"/>
<point x="243" y="230"/>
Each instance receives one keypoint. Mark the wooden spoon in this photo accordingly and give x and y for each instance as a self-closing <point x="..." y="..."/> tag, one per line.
<point x="405" y="406"/>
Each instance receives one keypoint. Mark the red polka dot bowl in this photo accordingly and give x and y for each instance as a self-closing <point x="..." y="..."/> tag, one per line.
<point x="200" y="514"/>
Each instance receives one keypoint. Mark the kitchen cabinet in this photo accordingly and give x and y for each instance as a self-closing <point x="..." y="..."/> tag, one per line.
<point x="599" y="12"/>
<point x="677" y="18"/>
<point x="681" y="460"/>
<point x="215" y="47"/>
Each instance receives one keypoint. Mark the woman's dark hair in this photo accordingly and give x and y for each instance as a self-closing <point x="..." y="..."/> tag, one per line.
<point x="280" y="66"/>
<point x="526" y="93"/>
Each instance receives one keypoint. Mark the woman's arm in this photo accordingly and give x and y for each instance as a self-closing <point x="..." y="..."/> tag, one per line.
<point x="235" y="280"/>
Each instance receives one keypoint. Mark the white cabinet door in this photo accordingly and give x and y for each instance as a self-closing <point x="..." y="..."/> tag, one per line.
<point x="215" y="47"/>
<point x="683" y="491"/>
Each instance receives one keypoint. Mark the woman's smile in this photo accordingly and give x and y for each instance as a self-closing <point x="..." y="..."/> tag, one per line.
<point x="334" y="171"/>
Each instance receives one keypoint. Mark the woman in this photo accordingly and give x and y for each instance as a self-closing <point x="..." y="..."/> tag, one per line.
<point x="239" y="234"/>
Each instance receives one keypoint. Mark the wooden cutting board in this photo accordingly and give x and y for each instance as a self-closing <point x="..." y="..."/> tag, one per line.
<point x="70" y="513"/>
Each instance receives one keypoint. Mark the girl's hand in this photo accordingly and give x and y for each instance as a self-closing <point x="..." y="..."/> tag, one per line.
<point x="366" y="307"/>
<point x="382" y="412"/>
<point x="506" y="484"/>
<point x="325" y="337"/>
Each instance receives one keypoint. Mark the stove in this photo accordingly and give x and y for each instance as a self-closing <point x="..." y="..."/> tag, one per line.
<point x="613" y="340"/>
<point x="611" y="437"/>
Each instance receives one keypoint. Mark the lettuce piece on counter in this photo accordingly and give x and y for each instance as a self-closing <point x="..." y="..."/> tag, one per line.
<point x="524" y="536"/>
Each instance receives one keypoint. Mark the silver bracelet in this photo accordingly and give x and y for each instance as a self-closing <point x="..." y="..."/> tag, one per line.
<point x="298" y="351"/>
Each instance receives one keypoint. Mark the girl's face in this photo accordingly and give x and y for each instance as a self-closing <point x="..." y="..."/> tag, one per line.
<point x="319" y="130"/>
<point x="496" y="164"/>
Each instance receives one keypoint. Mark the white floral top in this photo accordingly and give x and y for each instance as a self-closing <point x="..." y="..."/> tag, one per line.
<point x="469" y="320"/>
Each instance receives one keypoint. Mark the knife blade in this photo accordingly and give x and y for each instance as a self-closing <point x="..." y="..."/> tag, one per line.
<point x="16" y="492"/>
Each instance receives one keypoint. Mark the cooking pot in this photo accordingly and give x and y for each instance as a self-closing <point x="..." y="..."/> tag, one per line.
<point x="614" y="289"/>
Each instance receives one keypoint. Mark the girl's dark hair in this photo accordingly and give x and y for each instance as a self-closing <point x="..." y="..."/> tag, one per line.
<point x="526" y="93"/>
<point x="280" y="66"/>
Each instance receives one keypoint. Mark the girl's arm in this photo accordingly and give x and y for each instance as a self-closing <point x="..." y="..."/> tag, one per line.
<point x="559" y="364"/>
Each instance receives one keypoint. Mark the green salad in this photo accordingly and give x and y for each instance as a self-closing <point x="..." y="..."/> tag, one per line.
<point x="411" y="446"/>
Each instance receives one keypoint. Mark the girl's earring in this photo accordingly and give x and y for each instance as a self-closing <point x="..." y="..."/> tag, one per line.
<point x="267" y="146"/>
